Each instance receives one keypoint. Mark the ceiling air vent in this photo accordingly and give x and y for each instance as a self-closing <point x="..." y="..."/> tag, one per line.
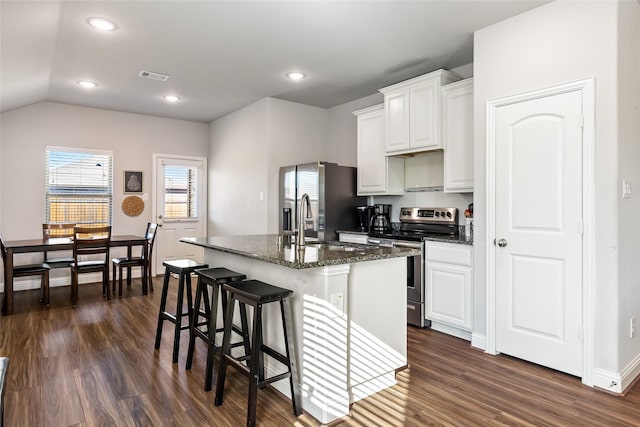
<point x="153" y="76"/>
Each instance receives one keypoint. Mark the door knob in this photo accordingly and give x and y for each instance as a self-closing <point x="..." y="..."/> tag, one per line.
<point x="502" y="243"/>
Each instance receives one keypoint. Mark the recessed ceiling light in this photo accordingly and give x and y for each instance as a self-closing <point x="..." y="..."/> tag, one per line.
<point x="101" y="24"/>
<point x="296" y="75"/>
<point x="171" y="98"/>
<point x="87" y="84"/>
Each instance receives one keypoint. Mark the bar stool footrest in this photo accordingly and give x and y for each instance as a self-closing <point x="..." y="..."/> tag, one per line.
<point x="237" y="363"/>
<point x="273" y="379"/>
<point x="172" y="317"/>
<point x="276" y="355"/>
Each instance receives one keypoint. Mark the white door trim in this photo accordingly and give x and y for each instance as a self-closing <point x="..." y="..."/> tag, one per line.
<point x="205" y="194"/>
<point x="586" y="86"/>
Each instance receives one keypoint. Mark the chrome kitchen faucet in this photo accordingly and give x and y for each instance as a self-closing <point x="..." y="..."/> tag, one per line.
<point x="304" y="202"/>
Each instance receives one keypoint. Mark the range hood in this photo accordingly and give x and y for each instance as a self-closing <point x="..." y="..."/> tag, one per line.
<point x="424" y="171"/>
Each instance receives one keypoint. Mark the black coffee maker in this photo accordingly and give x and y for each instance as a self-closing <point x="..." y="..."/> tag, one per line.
<point x="382" y="218"/>
<point x="365" y="217"/>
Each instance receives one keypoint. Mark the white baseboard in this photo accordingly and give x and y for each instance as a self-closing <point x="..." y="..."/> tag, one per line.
<point x="446" y="329"/>
<point x="630" y="372"/>
<point x="617" y="382"/>
<point x="607" y="380"/>
<point x="479" y="341"/>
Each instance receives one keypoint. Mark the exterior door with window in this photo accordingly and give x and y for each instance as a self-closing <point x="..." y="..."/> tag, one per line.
<point x="180" y="188"/>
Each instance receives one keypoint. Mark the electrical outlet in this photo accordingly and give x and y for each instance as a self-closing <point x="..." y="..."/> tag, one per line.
<point x="337" y="300"/>
<point x="626" y="189"/>
<point x="632" y="327"/>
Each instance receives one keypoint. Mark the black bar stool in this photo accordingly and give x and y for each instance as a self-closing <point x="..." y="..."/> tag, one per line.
<point x="255" y="294"/>
<point x="4" y="367"/>
<point x="214" y="278"/>
<point x="183" y="268"/>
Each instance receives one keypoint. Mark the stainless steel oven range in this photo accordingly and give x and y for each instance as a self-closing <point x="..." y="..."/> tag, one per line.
<point x="417" y="225"/>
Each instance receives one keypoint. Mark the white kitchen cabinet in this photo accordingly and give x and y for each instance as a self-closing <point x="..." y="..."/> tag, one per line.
<point x="457" y="135"/>
<point x="353" y="238"/>
<point x="449" y="282"/>
<point x="377" y="174"/>
<point x="412" y="113"/>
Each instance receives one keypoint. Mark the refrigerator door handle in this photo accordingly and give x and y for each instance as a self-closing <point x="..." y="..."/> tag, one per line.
<point x="286" y="219"/>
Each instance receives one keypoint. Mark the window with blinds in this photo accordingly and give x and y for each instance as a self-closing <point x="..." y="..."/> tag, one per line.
<point x="180" y="191"/>
<point x="79" y="186"/>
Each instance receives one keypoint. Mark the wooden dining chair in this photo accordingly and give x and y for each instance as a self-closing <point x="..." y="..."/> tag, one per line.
<point x="41" y="269"/>
<point x="53" y="231"/>
<point x="93" y="242"/>
<point x="140" y="261"/>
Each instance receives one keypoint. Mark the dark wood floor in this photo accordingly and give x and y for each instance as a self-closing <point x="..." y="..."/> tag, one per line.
<point x="95" y="365"/>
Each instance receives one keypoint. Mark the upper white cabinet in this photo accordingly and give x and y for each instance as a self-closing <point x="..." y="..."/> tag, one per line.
<point x="377" y="174"/>
<point x="412" y="113"/>
<point x="457" y="135"/>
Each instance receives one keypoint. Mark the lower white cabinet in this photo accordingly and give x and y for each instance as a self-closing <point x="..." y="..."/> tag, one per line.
<point x="353" y="238"/>
<point x="449" y="284"/>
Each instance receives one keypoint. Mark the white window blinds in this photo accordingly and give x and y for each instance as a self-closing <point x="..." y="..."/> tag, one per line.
<point x="79" y="186"/>
<point x="180" y="191"/>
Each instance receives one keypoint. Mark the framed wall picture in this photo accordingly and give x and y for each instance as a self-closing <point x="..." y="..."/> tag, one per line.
<point x="132" y="181"/>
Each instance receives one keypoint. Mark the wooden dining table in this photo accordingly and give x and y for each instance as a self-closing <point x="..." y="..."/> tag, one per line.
<point x="61" y="244"/>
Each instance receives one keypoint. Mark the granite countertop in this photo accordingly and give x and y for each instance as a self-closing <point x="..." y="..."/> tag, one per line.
<point x="265" y="248"/>
<point x="457" y="239"/>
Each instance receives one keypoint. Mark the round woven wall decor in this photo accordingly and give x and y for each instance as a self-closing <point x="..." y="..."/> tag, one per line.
<point x="132" y="205"/>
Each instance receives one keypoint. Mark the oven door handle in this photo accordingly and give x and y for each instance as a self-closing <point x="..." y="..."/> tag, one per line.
<point x="383" y="243"/>
<point x="411" y="245"/>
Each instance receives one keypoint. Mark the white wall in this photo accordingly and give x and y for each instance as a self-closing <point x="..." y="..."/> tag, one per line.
<point x="133" y="138"/>
<point x="629" y="169"/>
<point x="238" y="148"/>
<point x="557" y="43"/>
<point x="246" y="150"/>
<point x="297" y="134"/>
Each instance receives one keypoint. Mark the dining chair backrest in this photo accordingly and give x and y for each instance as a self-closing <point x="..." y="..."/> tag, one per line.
<point x="150" y="235"/>
<point x="57" y="230"/>
<point x="53" y="231"/>
<point x="3" y="248"/>
<point x="91" y="241"/>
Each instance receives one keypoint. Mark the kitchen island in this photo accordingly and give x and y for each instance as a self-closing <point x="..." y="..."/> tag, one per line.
<point x="349" y="312"/>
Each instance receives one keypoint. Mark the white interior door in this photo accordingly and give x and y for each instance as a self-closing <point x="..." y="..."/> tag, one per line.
<point x="180" y="207"/>
<point x="538" y="212"/>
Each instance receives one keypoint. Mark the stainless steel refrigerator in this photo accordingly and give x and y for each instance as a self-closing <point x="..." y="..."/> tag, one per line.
<point x="332" y="193"/>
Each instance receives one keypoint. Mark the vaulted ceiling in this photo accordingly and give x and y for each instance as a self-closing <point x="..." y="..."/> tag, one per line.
<point x="223" y="55"/>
